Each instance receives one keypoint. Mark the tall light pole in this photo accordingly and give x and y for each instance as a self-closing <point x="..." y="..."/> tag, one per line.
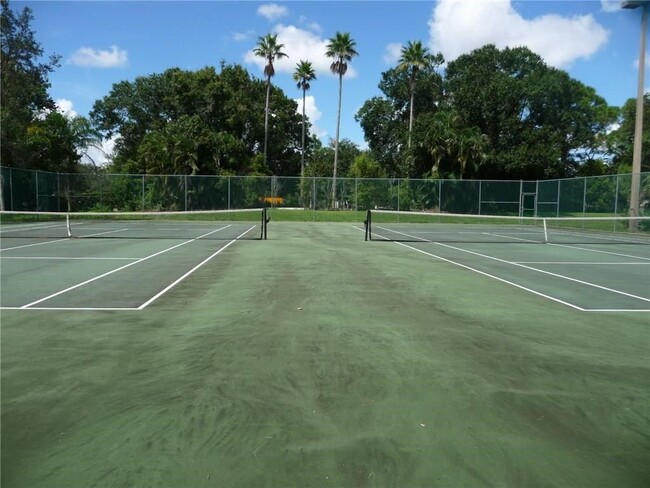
<point x="638" y="125"/>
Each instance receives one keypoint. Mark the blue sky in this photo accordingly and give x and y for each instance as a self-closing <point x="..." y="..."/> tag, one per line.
<point x="102" y="43"/>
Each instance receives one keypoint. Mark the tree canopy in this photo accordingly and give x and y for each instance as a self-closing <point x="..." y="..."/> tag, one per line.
<point x="199" y="122"/>
<point x="33" y="134"/>
<point x="496" y="114"/>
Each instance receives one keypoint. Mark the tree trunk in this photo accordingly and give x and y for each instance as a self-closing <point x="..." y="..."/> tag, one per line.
<point x="411" y="113"/>
<point x="266" y="117"/>
<point x="336" y="143"/>
<point x="302" y="156"/>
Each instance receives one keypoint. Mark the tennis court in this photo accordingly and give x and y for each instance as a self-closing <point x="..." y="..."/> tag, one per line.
<point x="592" y="265"/>
<point x="316" y="358"/>
<point x="90" y="263"/>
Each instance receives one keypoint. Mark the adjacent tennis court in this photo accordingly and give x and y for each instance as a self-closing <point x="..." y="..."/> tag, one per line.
<point x="112" y="261"/>
<point x="316" y="358"/>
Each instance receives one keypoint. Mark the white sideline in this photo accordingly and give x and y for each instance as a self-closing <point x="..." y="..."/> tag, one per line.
<point x="66" y="258"/>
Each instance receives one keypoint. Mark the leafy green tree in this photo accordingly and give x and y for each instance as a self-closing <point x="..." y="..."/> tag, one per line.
<point x="371" y="190"/>
<point x="24" y="83"/>
<point x="303" y="75"/>
<point x="456" y="150"/>
<point x="385" y="120"/>
<point x="341" y="49"/>
<point x="621" y="141"/>
<point x="320" y="161"/>
<point x="540" y="123"/>
<point x="268" y="48"/>
<point x="364" y="166"/>
<point x="50" y="144"/>
<point x="383" y="131"/>
<point x="198" y="122"/>
<point x="471" y="150"/>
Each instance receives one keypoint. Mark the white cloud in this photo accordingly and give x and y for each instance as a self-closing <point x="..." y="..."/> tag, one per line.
<point x="457" y="27"/>
<point x="610" y="5"/>
<point x="242" y="36"/>
<point x="392" y="53"/>
<point x="299" y="44"/>
<point x="66" y="107"/>
<point x="314" y="114"/>
<point x="272" y="11"/>
<point x="100" y="58"/>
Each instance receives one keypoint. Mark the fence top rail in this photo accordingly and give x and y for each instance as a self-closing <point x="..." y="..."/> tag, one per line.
<point x="388" y="179"/>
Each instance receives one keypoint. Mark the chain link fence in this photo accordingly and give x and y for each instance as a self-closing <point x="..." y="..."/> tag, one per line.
<point x="29" y="190"/>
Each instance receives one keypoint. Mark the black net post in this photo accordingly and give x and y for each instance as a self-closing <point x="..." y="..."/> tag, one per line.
<point x="265" y="221"/>
<point x="367" y="224"/>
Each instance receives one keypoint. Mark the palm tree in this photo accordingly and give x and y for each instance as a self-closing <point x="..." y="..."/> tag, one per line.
<point x="85" y="138"/>
<point x="440" y="138"/>
<point x="341" y="48"/>
<point x="472" y="146"/>
<point x="303" y="75"/>
<point x="414" y="57"/>
<point x="269" y="49"/>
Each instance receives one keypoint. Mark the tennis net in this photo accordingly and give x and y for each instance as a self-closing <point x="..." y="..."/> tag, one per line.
<point x="214" y="224"/>
<point x="389" y="225"/>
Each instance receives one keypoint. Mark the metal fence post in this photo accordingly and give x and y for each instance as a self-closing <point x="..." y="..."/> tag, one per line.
<point x="616" y="199"/>
<point x="584" y="198"/>
<point x="36" y="176"/>
<point x="143" y="207"/>
<point x="11" y="188"/>
<point x="398" y="192"/>
<point x="185" y="192"/>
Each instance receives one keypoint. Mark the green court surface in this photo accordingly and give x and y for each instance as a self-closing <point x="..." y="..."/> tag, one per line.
<point x="315" y="358"/>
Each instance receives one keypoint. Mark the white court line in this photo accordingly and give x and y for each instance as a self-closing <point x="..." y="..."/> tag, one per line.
<point x="117" y="269"/>
<point x="514" y="264"/>
<point x="506" y="236"/>
<point x="556" y="275"/>
<point x="147" y="303"/>
<point x="34" y="244"/>
<point x="176" y="282"/>
<point x="23" y="228"/>
<point x="600" y="251"/>
<point x="58" y="240"/>
<point x="91" y="258"/>
<point x="568" y="278"/>
<point x="617" y="310"/>
<point x="91" y="309"/>
<point x="100" y="233"/>
<point x="516" y="285"/>
<point x="590" y="263"/>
